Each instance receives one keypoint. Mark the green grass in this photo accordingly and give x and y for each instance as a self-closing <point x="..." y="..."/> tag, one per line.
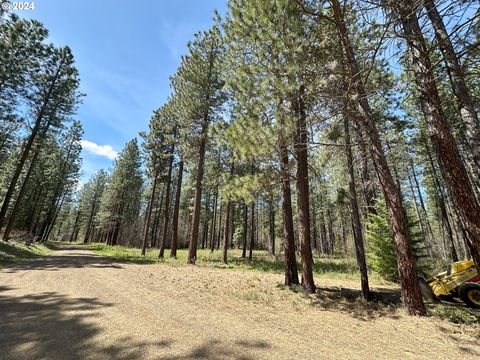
<point x="332" y="267"/>
<point x="12" y="253"/>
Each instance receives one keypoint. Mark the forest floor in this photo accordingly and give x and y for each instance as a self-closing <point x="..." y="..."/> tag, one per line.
<point x="74" y="304"/>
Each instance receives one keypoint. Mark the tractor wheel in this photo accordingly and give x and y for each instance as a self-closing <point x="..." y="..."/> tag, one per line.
<point x="470" y="294"/>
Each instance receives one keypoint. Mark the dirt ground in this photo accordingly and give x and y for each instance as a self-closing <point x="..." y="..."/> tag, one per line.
<point x="75" y="305"/>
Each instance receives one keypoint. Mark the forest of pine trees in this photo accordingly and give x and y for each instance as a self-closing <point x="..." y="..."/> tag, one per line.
<point x="298" y="127"/>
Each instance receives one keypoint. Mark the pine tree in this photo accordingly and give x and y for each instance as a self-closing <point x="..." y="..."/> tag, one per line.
<point x="89" y="202"/>
<point x="52" y="98"/>
<point x="120" y="202"/>
<point x="198" y="86"/>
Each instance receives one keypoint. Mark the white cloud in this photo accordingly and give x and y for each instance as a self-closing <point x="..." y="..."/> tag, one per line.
<point x="100" y="150"/>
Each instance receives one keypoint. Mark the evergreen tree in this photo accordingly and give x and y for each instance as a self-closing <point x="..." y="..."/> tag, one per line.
<point x="120" y="202"/>
<point x="381" y="248"/>
<point x="198" y="86"/>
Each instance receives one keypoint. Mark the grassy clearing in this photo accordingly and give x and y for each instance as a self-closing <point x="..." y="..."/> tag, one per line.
<point x="13" y="252"/>
<point x="332" y="267"/>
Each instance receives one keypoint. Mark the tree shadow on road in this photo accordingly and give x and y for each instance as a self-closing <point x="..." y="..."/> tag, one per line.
<point x="384" y="302"/>
<point x="52" y="326"/>
<point x="49" y="325"/>
<point x="56" y="262"/>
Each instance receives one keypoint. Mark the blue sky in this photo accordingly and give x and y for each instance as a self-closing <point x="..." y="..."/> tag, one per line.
<point x="125" y="52"/>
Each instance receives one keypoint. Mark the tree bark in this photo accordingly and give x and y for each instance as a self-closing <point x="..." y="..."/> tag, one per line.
<point x="303" y="193"/>
<point x="226" y="232"/>
<point x="314" y="226"/>
<point x="176" y="211"/>
<point x="89" y="229"/>
<point x="149" y="213"/>
<point x="367" y="182"/>
<point x="445" y="223"/>
<point x="157" y="218"/>
<point x="214" y="221"/>
<point x="219" y="235"/>
<point x="453" y="168"/>
<point x="75" y="227"/>
<point x="291" y="272"/>
<point x="192" y="251"/>
<point x="411" y="295"/>
<point x="166" y="214"/>
<point x="355" y="213"/>
<point x="252" y="232"/>
<point x="206" y="222"/>
<point x="457" y="80"/>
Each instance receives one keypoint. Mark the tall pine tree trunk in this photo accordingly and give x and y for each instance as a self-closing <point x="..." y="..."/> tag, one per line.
<point x="252" y="232"/>
<point x="411" y="295"/>
<point x="442" y="201"/>
<point x="453" y="168"/>
<point x="157" y="219"/>
<point x="167" y="208"/>
<point x="90" y="225"/>
<point x="291" y="272"/>
<point x="192" y="251"/>
<point x="367" y="183"/>
<point x="75" y="227"/>
<point x="206" y="222"/>
<point x="457" y="79"/>
<point x="214" y="222"/>
<point x="149" y="213"/>
<point x="355" y="213"/>
<point x="219" y="234"/>
<point x="228" y="219"/>
<point x="303" y="193"/>
<point x="176" y="211"/>
<point x="226" y="231"/>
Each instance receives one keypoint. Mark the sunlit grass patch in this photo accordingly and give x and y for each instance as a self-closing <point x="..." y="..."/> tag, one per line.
<point x="326" y="266"/>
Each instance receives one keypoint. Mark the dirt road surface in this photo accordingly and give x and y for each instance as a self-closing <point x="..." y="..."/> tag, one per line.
<point x="75" y="305"/>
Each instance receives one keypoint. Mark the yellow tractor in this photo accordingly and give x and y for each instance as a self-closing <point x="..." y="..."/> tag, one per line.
<point x="460" y="280"/>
